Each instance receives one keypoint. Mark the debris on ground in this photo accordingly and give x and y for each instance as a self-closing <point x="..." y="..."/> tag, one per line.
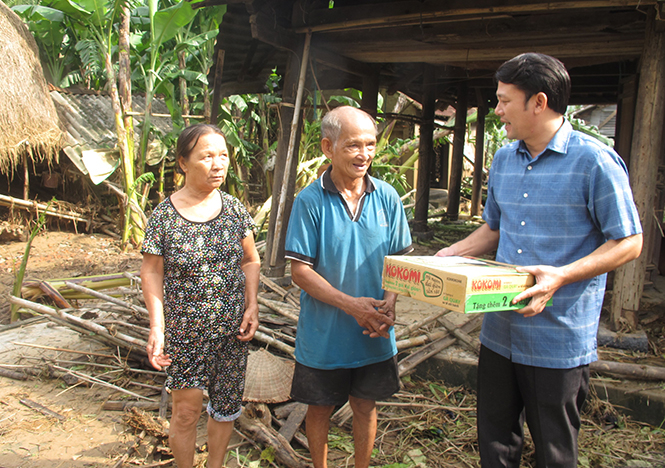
<point x="426" y="424"/>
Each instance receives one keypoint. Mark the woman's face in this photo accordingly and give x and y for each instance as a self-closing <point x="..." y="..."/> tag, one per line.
<point x="208" y="162"/>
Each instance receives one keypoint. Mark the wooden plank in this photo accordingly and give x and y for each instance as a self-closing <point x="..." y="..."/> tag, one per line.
<point x="42" y="409"/>
<point x="427" y="12"/>
<point x="442" y="54"/>
<point x="265" y="30"/>
<point x="267" y="436"/>
<point x="294" y="421"/>
<point x="339" y="62"/>
<point x="520" y="30"/>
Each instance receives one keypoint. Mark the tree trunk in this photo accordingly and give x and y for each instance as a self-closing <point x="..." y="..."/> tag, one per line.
<point x="182" y="64"/>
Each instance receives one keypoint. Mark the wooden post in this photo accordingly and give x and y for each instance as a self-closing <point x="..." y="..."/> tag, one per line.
<point x="217" y="91"/>
<point x="426" y="150"/>
<point x="645" y="156"/>
<point x="455" y="185"/>
<point x="479" y="161"/>
<point x="444" y="174"/>
<point x="623" y="132"/>
<point x="26" y="175"/>
<point x="370" y="93"/>
<point x="275" y="264"/>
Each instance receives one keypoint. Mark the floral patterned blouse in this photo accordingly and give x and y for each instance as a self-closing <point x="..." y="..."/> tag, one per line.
<point x="204" y="287"/>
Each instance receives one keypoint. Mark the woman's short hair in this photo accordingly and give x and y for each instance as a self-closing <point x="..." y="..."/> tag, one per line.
<point x="189" y="138"/>
<point x="535" y="73"/>
<point x="331" y="124"/>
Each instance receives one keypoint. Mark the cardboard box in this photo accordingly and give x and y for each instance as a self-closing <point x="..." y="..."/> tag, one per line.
<point x="463" y="284"/>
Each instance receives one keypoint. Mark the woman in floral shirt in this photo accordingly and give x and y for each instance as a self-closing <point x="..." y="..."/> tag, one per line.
<point x="200" y="277"/>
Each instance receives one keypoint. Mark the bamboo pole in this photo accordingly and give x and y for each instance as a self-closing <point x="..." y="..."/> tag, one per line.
<point x="279" y="308"/>
<point x="416" y="325"/>
<point x="288" y="296"/>
<point x="260" y="336"/>
<point x="421" y="340"/>
<point x="405" y="366"/>
<point x="472" y="343"/>
<point x="26" y="173"/>
<point x="94" y="380"/>
<point x="11" y="202"/>
<point x="290" y="152"/>
<point x="31" y="289"/>
<point x="64" y="350"/>
<point x="110" y="299"/>
<point x="628" y="370"/>
<point x="275" y="334"/>
<point x="118" y="339"/>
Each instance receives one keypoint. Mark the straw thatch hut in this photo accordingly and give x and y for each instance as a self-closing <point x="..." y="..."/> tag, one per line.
<point x="29" y="125"/>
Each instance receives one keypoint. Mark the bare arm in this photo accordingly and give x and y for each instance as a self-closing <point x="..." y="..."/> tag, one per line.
<point x="609" y="256"/>
<point x="481" y="241"/>
<point x="363" y="309"/>
<point x="251" y="266"/>
<point x="152" y="282"/>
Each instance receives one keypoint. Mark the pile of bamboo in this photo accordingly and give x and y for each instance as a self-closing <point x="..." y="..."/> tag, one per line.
<point x="110" y="309"/>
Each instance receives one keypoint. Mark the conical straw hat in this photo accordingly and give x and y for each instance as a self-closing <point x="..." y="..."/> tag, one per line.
<point x="268" y="378"/>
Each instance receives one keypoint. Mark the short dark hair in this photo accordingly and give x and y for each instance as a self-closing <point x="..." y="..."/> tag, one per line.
<point x="189" y="138"/>
<point x="535" y="73"/>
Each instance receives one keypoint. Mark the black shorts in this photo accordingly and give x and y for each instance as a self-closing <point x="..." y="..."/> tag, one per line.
<point x="332" y="387"/>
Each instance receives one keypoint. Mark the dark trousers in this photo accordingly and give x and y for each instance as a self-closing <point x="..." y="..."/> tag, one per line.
<point x="549" y="399"/>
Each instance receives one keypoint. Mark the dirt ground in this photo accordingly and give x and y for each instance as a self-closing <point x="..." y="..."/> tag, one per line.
<point x="86" y="436"/>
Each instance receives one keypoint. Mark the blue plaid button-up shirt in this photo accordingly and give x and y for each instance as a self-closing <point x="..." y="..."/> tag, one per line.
<point x="553" y="210"/>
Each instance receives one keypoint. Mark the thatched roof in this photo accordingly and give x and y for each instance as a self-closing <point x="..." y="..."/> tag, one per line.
<point x="28" y="120"/>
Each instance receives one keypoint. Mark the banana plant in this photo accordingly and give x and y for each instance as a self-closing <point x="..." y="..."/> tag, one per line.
<point x="162" y="26"/>
<point x="56" y="46"/>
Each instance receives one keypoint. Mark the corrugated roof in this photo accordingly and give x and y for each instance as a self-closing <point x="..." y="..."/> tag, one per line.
<point x="89" y="119"/>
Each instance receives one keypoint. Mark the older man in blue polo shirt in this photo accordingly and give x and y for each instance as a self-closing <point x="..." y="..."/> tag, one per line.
<point x="559" y="203"/>
<point x="341" y="228"/>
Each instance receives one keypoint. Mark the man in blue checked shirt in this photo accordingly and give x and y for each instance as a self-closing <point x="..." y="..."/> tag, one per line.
<point x="558" y="203"/>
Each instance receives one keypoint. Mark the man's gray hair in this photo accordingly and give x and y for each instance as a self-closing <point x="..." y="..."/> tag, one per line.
<point x="331" y="124"/>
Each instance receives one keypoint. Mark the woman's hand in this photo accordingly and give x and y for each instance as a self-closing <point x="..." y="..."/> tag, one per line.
<point x="155" y="349"/>
<point x="250" y="323"/>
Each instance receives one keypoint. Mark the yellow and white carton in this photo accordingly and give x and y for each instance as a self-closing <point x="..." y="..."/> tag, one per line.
<point x="463" y="284"/>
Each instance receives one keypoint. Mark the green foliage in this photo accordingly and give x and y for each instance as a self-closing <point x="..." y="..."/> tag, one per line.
<point x="337" y="439"/>
<point x="439" y="392"/>
<point x="495" y="136"/>
<point x="581" y="126"/>
<point x="20" y="273"/>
